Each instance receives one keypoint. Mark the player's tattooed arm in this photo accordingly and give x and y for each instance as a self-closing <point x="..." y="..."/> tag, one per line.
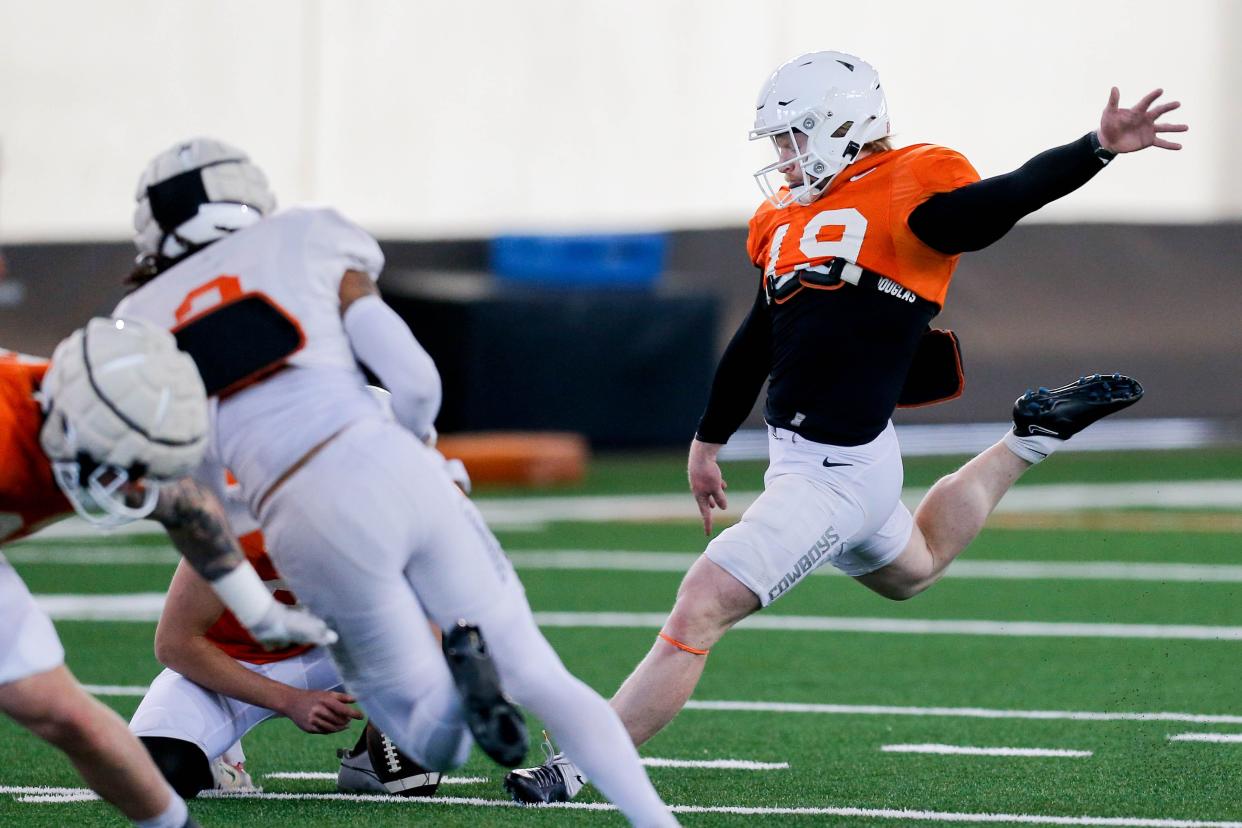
<point x="197" y="526"/>
<point x="195" y="521"/>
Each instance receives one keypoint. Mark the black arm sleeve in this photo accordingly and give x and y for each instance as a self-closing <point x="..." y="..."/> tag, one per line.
<point x="739" y="376"/>
<point x="974" y="216"/>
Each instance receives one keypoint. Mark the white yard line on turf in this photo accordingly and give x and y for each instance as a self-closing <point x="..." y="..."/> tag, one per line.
<point x="91" y="555"/>
<point x="960" y="712"/>
<point x="328" y="775"/>
<point x="619" y="560"/>
<point x="135" y="606"/>
<point x="115" y="689"/>
<point x="714" y="764"/>
<point x="863" y="813"/>
<point x="1058" y="497"/>
<point x="908" y="626"/>
<point x="146" y="606"/>
<point x="83" y="796"/>
<point x="628" y="561"/>
<point x="649" y="761"/>
<point x="962" y="750"/>
<point x="895" y="710"/>
<point x="1221" y="738"/>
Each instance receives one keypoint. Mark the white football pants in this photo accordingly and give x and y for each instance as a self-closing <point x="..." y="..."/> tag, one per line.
<point x="177" y="708"/>
<point x="374" y="538"/>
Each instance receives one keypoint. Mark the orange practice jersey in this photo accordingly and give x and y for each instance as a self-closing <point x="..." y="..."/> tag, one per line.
<point x="29" y="497"/>
<point x="862" y="219"/>
<point x="230" y="636"/>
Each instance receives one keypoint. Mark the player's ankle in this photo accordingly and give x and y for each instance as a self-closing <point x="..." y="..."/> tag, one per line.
<point x="1032" y="449"/>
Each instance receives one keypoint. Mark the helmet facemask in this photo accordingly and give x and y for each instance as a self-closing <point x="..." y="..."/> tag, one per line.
<point x="818" y="168"/>
<point x="104" y="495"/>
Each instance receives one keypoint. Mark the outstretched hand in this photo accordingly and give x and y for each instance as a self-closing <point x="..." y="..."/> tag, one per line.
<point x="1130" y="130"/>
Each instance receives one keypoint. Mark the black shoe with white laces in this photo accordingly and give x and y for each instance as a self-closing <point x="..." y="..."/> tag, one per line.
<point x="496" y="723"/>
<point x="556" y="780"/>
<point x="1063" y="412"/>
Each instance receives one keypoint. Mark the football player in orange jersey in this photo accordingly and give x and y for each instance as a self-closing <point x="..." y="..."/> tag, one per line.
<point x="108" y="429"/>
<point x="856" y="245"/>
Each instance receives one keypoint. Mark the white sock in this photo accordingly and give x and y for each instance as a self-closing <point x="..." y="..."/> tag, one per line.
<point x="587" y="728"/>
<point x="174" y="816"/>
<point x="1031" y="449"/>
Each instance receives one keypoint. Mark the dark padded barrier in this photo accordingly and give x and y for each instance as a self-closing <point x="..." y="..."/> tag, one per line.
<point x="625" y="368"/>
<point x="1042" y="305"/>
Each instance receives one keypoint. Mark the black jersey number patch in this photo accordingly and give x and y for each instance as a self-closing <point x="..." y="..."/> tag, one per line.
<point x="235" y="337"/>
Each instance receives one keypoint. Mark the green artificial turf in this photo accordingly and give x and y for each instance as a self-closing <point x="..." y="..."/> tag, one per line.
<point x="835" y="759"/>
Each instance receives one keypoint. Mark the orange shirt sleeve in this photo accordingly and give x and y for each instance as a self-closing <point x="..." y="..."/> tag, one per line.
<point x="925" y="171"/>
<point x="932" y="170"/>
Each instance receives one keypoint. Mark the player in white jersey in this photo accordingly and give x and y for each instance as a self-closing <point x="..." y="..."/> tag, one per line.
<point x="277" y="310"/>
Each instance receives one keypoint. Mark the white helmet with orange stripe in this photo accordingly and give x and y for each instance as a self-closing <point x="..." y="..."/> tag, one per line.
<point x="819" y="109"/>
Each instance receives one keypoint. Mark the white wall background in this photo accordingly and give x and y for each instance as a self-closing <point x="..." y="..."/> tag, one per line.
<point x="422" y="118"/>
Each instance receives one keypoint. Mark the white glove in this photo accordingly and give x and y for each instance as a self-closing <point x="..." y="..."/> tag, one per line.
<point x="283" y="625"/>
<point x="272" y="623"/>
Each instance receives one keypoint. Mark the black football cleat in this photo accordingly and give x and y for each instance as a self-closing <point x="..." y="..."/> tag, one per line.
<point x="1065" y="411"/>
<point x="496" y="723"/>
<point x="556" y="780"/>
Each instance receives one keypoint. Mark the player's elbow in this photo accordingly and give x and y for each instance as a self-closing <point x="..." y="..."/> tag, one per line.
<point x="170" y="648"/>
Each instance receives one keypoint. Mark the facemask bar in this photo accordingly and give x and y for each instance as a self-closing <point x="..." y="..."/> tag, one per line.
<point x="771" y="180"/>
<point x="103" y="504"/>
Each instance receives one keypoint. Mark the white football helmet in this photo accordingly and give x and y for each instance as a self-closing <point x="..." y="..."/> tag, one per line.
<point x="121" y="404"/>
<point x="835" y="101"/>
<point x="195" y="193"/>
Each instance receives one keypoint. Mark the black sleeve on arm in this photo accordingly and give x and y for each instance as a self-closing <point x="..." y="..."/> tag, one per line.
<point x="739" y="376"/>
<point x="974" y="216"/>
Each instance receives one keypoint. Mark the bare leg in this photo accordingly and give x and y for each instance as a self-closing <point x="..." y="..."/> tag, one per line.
<point x="946" y="521"/>
<point x="113" y="762"/>
<point x="709" y="602"/>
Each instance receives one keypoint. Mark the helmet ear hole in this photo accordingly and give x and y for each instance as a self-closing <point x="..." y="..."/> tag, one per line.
<point x="843" y="130"/>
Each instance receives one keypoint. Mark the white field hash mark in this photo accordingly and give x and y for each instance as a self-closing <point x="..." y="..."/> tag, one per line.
<point x="1219" y="738"/>
<point x="961" y="712"/>
<point x="147" y="606"/>
<point x="883" y="710"/>
<point x="328" y="775"/>
<point x="510" y="513"/>
<point x="951" y="750"/>
<point x="40" y="794"/>
<point x="649" y="761"/>
<point x="621" y="560"/>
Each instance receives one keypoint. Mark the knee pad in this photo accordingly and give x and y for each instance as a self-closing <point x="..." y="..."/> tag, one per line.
<point x="183" y="764"/>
